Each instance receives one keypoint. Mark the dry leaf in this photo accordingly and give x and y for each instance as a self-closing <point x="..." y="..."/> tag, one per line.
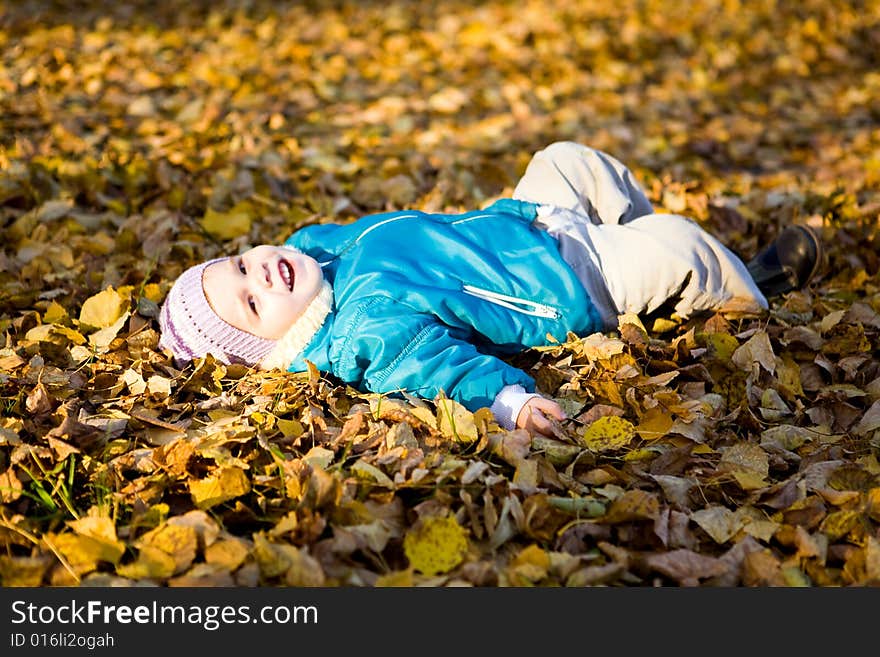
<point x="608" y="433"/>
<point x="436" y="545"/>
<point x="103" y="309"/>
<point x="455" y="421"/>
<point x="224" y="485"/>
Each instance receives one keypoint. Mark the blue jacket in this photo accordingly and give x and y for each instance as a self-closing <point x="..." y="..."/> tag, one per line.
<point x="428" y="302"/>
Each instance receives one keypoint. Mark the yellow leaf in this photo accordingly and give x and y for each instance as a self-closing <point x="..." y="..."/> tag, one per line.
<point x="555" y="451"/>
<point x="606" y="390"/>
<point x="270" y="557"/>
<point x="297" y="566"/>
<point x="661" y="325"/>
<point x="151" y="563"/>
<point x="319" y="456"/>
<point x="229" y="553"/>
<point x="838" y="524"/>
<point x="228" y="225"/>
<point x="532" y="555"/>
<point x="872" y="503"/>
<point x="526" y="475"/>
<point x="102" y="338"/>
<point x="101" y="534"/>
<point x="55" y="313"/>
<point x="598" y="346"/>
<point x="103" y="309"/>
<point x="455" y="421"/>
<point x="639" y="455"/>
<point x="369" y="471"/>
<point x="607" y="433"/>
<point x="180" y="542"/>
<point x="54" y="334"/>
<point x="435" y="545"/>
<point x="794" y="576"/>
<point x="134" y="381"/>
<point x="100" y="527"/>
<point x="78" y="551"/>
<point x="9" y="360"/>
<point x="290" y="428"/>
<point x="720" y="346"/>
<point x="23" y="571"/>
<point x="655" y="423"/>
<point x="159" y="385"/>
<point x="631" y="318"/>
<point x="719" y="522"/>
<point x="402" y="578"/>
<point x="153" y="292"/>
<point x="225" y="484"/>
<point x="531" y="564"/>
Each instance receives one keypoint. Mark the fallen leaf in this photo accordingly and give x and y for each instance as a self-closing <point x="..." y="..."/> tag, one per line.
<point x="608" y="433"/>
<point x="456" y="422"/>
<point x="435" y="545"/>
<point x="224" y="485"/>
<point x="748" y="463"/>
<point x="103" y="309"/>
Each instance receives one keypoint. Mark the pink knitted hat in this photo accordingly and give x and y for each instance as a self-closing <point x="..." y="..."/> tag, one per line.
<point x="190" y="328"/>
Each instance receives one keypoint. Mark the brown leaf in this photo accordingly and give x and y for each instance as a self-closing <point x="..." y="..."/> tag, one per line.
<point x="685" y="566"/>
<point x="10" y="486"/>
<point x="24" y="571"/>
<point x="632" y="505"/>
<point x="757" y="349"/>
<point x="748" y="464"/>
<point x="39" y="401"/>
<point x="762" y="568"/>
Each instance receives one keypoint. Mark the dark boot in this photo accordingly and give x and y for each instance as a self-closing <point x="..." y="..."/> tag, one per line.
<point x="788" y="263"/>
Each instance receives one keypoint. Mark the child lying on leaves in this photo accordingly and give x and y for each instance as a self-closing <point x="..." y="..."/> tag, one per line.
<point x="432" y="303"/>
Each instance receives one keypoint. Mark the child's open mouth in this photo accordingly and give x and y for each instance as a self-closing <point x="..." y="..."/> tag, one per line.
<point x="287" y="274"/>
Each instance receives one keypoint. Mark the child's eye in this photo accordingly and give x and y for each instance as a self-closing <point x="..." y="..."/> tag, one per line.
<point x="241" y="266"/>
<point x="253" y="306"/>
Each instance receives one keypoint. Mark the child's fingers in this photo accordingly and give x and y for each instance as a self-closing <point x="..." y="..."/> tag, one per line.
<point x="538" y="422"/>
<point x="548" y="407"/>
<point x="541" y="415"/>
<point x="544" y="417"/>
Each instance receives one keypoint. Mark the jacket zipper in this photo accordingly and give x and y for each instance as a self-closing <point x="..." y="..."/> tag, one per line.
<point x="525" y="306"/>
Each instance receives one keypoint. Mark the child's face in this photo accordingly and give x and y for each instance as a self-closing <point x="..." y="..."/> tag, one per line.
<point x="264" y="290"/>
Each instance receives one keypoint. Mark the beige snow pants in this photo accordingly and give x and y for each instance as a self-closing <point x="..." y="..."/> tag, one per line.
<point x="629" y="258"/>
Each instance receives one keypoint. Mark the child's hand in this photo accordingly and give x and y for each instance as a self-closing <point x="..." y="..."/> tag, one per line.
<point x="533" y="416"/>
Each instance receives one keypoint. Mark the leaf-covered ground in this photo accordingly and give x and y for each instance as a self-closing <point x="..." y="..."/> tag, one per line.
<point x="139" y="138"/>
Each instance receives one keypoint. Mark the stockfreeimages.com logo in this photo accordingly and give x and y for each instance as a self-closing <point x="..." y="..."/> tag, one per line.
<point x="210" y="617"/>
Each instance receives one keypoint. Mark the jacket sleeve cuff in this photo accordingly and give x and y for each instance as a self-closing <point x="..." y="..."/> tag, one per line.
<point x="508" y="403"/>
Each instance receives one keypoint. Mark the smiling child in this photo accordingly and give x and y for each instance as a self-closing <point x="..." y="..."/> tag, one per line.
<point x="434" y="303"/>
